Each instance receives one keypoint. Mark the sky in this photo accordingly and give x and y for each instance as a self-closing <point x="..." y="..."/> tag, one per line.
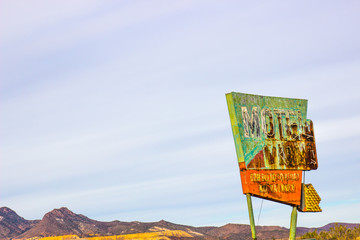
<point x="117" y="110"/>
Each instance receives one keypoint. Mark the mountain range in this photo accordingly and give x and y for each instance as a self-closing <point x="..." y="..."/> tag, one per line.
<point x="62" y="221"/>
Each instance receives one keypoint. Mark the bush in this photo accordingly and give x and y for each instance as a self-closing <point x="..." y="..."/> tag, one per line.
<point x="338" y="232"/>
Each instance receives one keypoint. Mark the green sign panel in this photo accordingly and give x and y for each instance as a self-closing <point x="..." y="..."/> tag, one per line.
<point x="272" y="132"/>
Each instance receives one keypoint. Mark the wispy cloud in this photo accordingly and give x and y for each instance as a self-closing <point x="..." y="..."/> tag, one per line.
<point x="117" y="110"/>
<point x="338" y="129"/>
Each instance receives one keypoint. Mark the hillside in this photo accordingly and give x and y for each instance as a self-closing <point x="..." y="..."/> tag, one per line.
<point x="60" y="222"/>
<point x="12" y="225"/>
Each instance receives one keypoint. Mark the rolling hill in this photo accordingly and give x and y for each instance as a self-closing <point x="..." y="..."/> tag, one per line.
<point x="62" y="221"/>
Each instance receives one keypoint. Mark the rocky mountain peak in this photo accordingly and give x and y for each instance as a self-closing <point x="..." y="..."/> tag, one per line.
<point x="7" y="213"/>
<point x="5" y="210"/>
<point x="12" y="224"/>
<point x="60" y="213"/>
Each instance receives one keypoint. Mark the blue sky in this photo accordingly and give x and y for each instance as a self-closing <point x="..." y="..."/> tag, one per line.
<point x="117" y="110"/>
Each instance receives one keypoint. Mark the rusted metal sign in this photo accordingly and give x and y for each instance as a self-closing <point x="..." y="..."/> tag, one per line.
<point x="274" y="143"/>
<point x="284" y="186"/>
<point x="272" y="132"/>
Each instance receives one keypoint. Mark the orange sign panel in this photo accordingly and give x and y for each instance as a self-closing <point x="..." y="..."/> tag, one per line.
<point x="282" y="186"/>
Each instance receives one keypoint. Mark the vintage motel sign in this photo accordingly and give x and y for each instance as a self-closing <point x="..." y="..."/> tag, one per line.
<point x="274" y="143"/>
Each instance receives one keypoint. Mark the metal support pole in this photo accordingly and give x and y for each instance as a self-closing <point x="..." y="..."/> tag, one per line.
<point x="251" y="216"/>
<point x="293" y="224"/>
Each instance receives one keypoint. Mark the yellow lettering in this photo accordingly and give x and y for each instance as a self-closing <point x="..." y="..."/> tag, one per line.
<point x="287" y="188"/>
<point x="263" y="188"/>
<point x="275" y="189"/>
<point x="281" y="177"/>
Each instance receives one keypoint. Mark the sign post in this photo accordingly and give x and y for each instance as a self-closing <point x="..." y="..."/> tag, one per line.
<point x="293" y="224"/>
<point x="251" y="216"/>
<point x="274" y="144"/>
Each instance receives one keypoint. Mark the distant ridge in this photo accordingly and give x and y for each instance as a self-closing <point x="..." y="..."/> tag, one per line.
<point x="12" y="225"/>
<point x="62" y="221"/>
